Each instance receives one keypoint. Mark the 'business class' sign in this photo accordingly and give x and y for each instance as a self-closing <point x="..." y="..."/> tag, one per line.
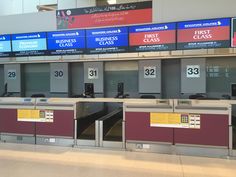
<point x="156" y="37"/>
<point x="197" y="34"/>
<point x="107" y="40"/>
<point x="66" y="42"/>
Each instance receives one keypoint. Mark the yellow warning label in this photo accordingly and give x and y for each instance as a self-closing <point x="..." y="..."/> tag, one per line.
<point x="165" y="118"/>
<point x="28" y="114"/>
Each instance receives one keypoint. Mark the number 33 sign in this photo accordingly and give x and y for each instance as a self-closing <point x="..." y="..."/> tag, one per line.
<point x="193" y="71"/>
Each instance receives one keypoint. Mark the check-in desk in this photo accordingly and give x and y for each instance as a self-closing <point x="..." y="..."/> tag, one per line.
<point x="191" y="127"/>
<point x="11" y="129"/>
<point x="58" y="127"/>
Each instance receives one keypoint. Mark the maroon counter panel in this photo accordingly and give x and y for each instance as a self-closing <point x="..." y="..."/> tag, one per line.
<point x="9" y="123"/>
<point x="137" y="128"/>
<point x="62" y="125"/>
<point x="214" y="131"/>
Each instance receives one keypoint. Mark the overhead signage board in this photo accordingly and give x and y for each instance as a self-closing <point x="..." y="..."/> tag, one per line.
<point x="111" y="15"/>
<point x="66" y="42"/>
<point x="156" y="37"/>
<point x="5" y="45"/>
<point x="107" y="40"/>
<point x="201" y="34"/>
<point x="29" y="44"/>
<point x="233" y="40"/>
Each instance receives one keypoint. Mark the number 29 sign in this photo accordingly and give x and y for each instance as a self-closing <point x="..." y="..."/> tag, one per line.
<point x="193" y="71"/>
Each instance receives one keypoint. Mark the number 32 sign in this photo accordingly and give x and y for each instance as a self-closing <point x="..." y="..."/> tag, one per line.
<point x="193" y="71"/>
<point x="150" y="71"/>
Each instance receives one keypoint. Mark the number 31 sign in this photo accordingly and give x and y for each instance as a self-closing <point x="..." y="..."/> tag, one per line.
<point x="193" y="71"/>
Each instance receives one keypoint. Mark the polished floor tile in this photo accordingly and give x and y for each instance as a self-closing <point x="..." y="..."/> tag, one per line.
<point x="18" y="160"/>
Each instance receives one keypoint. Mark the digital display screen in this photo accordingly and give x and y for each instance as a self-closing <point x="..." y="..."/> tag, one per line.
<point x="5" y="45"/>
<point x="30" y="44"/>
<point x="156" y="37"/>
<point x="66" y="42"/>
<point x="202" y="34"/>
<point x="233" y="40"/>
<point x="107" y="40"/>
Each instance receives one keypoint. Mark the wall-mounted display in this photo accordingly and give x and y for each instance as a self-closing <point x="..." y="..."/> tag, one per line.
<point x="107" y="40"/>
<point x="116" y="14"/>
<point x="233" y="40"/>
<point x="29" y="44"/>
<point x="200" y="34"/>
<point x="66" y="42"/>
<point x="5" y="45"/>
<point x="155" y="37"/>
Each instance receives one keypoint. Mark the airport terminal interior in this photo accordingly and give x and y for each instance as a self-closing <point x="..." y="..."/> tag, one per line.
<point x="117" y="88"/>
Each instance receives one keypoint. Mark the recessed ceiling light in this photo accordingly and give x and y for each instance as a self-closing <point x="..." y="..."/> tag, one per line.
<point x="111" y="1"/>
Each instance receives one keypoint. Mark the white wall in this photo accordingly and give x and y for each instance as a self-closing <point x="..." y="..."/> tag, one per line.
<point x="179" y="10"/>
<point x="163" y="11"/>
<point x="11" y="7"/>
<point x="33" y="22"/>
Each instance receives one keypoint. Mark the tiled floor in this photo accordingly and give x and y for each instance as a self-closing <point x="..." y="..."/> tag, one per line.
<point x="45" y="161"/>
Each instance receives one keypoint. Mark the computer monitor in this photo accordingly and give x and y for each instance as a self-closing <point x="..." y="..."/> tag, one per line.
<point x="89" y="89"/>
<point x="233" y="90"/>
<point x="120" y="88"/>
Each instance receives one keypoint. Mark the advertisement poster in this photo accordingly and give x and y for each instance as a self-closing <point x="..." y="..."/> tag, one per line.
<point x="156" y="37"/>
<point x="201" y="34"/>
<point x="5" y="45"/>
<point x="107" y="40"/>
<point x="66" y="42"/>
<point x="118" y="14"/>
<point x="29" y="44"/>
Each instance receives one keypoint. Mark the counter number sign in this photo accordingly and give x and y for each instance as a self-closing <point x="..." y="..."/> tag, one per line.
<point x="150" y="72"/>
<point x="193" y="71"/>
<point x="11" y="74"/>
<point x="92" y="73"/>
<point x="59" y="74"/>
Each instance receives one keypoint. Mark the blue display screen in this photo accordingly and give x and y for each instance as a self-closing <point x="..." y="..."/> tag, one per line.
<point x="5" y="45"/>
<point x="66" y="42"/>
<point x="107" y="40"/>
<point x="204" y="23"/>
<point x="30" y="44"/>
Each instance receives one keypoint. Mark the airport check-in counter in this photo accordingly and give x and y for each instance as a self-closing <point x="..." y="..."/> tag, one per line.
<point x="58" y="126"/>
<point x="13" y="129"/>
<point x="139" y="134"/>
<point x="194" y="127"/>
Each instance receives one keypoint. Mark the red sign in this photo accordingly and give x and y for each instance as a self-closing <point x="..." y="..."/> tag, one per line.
<point x="204" y="34"/>
<point x="151" y="38"/>
<point x="120" y="14"/>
